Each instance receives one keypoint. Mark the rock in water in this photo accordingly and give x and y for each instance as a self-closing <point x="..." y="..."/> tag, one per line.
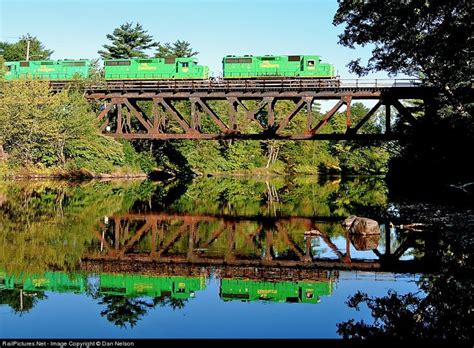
<point x="365" y="242"/>
<point x="364" y="226"/>
<point x="347" y="223"/>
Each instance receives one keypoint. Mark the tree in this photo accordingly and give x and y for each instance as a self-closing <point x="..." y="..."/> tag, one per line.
<point x="128" y="41"/>
<point x="17" y="51"/>
<point x="411" y="37"/>
<point x="432" y="39"/>
<point x="45" y="129"/>
<point x="177" y="49"/>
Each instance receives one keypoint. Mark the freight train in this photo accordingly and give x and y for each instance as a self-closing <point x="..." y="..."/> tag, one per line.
<point x="233" y="67"/>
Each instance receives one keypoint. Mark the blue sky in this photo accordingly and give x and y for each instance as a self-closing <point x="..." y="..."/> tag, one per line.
<point x="215" y="28"/>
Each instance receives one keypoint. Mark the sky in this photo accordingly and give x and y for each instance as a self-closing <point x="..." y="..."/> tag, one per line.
<point x="215" y="28"/>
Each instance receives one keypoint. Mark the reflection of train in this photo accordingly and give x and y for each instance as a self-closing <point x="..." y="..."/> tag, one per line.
<point x="50" y="281"/>
<point x="133" y="285"/>
<point x="250" y="290"/>
<point x="130" y="285"/>
<point x="233" y="67"/>
<point x="175" y="287"/>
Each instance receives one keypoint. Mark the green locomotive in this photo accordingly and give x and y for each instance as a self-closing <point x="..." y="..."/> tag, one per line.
<point x="251" y="290"/>
<point x="54" y="70"/>
<point x="239" y="67"/>
<point x="155" y="69"/>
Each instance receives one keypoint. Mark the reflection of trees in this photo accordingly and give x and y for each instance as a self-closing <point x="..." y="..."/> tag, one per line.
<point x="21" y="301"/>
<point x="123" y="310"/>
<point x="47" y="224"/>
<point x="441" y="310"/>
<point x="301" y="196"/>
<point x="174" y="303"/>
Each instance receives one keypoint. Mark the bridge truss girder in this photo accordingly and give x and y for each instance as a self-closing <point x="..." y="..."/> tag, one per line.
<point x="122" y="117"/>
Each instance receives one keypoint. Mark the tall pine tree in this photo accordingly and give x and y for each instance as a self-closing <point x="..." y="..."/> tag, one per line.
<point x="128" y="41"/>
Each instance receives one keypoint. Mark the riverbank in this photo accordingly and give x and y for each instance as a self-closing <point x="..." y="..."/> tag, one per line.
<point x="65" y="174"/>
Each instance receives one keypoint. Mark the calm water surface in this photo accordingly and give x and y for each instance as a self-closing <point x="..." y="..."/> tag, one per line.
<point x="216" y="257"/>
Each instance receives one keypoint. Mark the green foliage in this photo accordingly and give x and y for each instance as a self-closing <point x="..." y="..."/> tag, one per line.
<point x="17" y="51"/>
<point x="143" y="160"/>
<point x="128" y="41"/>
<point x="176" y="49"/>
<point x="44" y="129"/>
<point x="411" y="37"/>
<point x="418" y="38"/>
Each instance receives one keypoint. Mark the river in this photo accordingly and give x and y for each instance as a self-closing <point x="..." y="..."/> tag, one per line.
<point x="227" y="257"/>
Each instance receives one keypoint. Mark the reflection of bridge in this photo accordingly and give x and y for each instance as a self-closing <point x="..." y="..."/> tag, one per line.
<point x="207" y="240"/>
<point x="123" y="117"/>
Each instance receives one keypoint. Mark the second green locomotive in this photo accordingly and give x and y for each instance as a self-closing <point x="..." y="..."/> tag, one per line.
<point x="306" y="66"/>
<point x="155" y="69"/>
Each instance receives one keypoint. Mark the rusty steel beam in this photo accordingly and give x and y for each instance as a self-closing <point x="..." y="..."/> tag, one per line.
<point x="327" y="117"/>
<point x="365" y="118"/>
<point x="271" y="126"/>
<point x="264" y="136"/>
<point x="402" y="266"/>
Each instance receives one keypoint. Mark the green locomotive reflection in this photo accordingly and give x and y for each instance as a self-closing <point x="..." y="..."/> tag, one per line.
<point x="129" y="285"/>
<point x="172" y="287"/>
<point x="133" y="285"/>
<point x="296" y="292"/>
<point x="49" y="281"/>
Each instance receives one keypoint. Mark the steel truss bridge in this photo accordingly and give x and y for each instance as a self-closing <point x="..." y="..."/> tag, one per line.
<point x="248" y="102"/>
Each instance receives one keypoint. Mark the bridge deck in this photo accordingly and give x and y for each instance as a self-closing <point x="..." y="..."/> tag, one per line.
<point x="322" y="88"/>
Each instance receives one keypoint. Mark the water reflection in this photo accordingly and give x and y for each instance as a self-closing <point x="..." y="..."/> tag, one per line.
<point x="248" y="240"/>
<point x="135" y="247"/>
<point x="126" y="298"/>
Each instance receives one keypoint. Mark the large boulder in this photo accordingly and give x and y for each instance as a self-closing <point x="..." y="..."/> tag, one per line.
<point x="347" y="223"/>
<point x="361" y="225"/>
<point x="365" y="242"/>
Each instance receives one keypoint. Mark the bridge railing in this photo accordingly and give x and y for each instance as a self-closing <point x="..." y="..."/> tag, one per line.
<point x="292" y="84"/>
<point x="381" y="83"/>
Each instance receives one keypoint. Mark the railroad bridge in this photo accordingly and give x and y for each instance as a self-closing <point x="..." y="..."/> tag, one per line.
<point x="248" y="102"/>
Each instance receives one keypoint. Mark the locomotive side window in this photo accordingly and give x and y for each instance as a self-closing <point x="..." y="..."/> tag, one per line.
<point x="9" y="68"/>
<point x="310" y="62"/>
<point x="185" y="64"/>
<point x="24" y="64"/>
